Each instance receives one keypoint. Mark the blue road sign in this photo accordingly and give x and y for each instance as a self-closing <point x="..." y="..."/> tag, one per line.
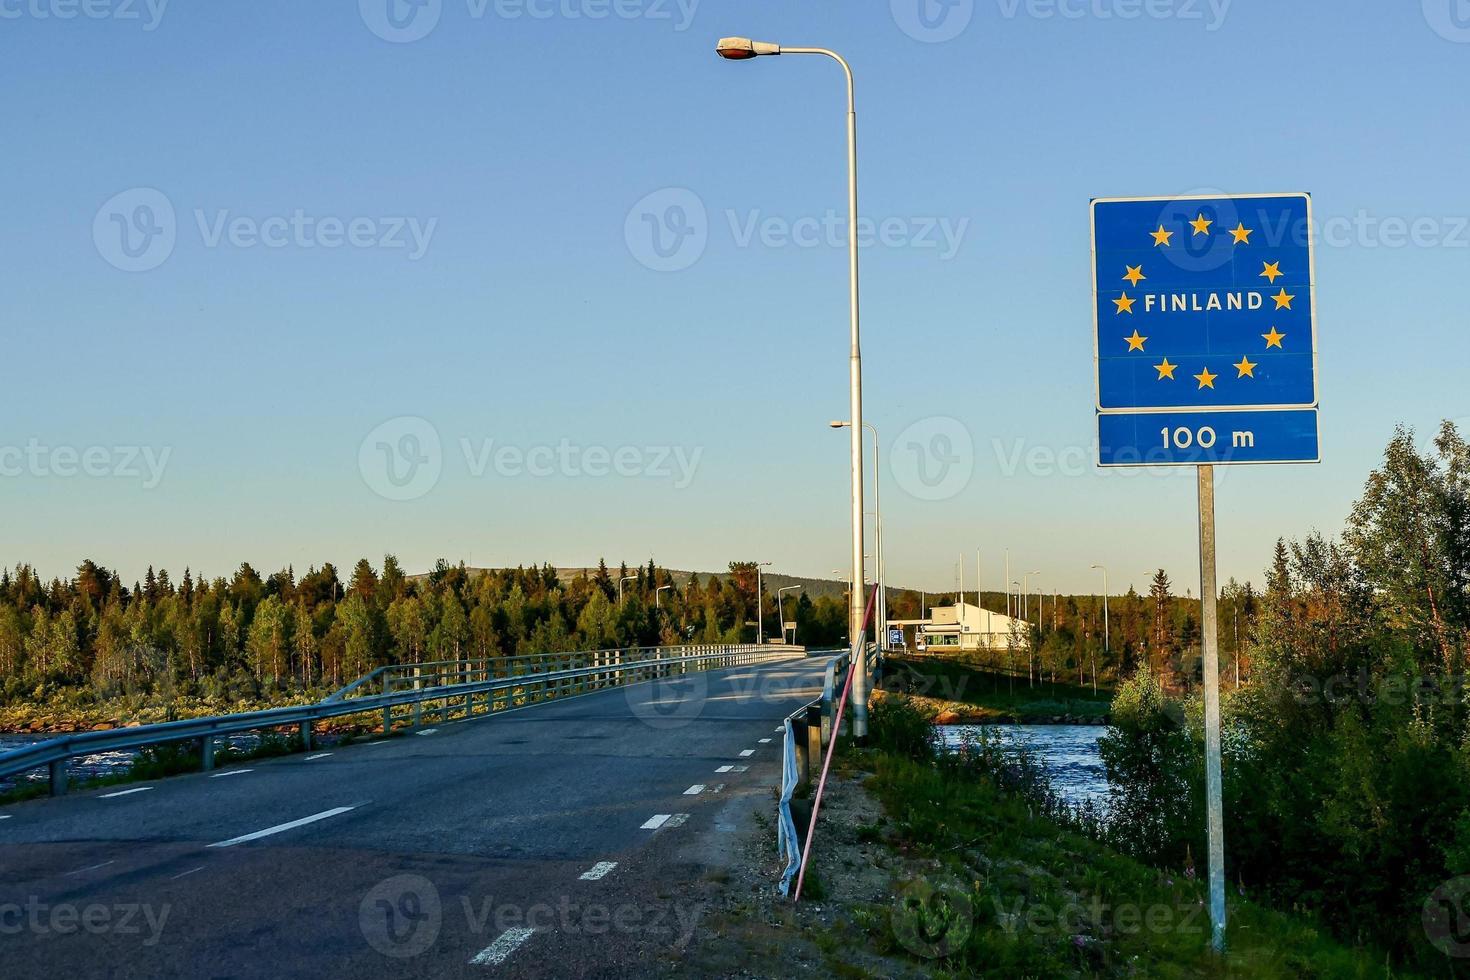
<point x="1206" y="339"/>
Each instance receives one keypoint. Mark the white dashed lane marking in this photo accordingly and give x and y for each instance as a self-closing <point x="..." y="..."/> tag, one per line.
<point x="125" y="792"/>
<point x="694" y="790"/>
<point x="656" y="821"/>
<point x="278" y="828"/>
<point x="497" y="952"/>
<point x="746" y="753"/>
<point x="598" y="871"/>
<point x="90" y="867"/>
<point x="232" y="772"/>
<point x="6" y="816"/>
<point x="427" y="731"/>
<point x="187" y="873"/>
<point x="765" y="741"/>
<point x="319" y="755"/>
<point x="724" y="768"/>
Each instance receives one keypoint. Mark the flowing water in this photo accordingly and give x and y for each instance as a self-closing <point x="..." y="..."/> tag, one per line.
<point x="1069" y="753"/>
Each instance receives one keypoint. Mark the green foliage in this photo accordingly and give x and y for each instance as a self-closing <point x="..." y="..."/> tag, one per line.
<point x="1346" y="755"/>
<point x="897" y="724"/>
<point x="250" y="638"/>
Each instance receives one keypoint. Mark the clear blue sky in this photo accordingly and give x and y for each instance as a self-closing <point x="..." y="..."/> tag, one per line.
<point x="519" y="147"/>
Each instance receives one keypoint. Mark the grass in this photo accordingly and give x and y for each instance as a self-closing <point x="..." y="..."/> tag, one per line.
<point x="1006" y="891"/>
<point x="989" y="695"/>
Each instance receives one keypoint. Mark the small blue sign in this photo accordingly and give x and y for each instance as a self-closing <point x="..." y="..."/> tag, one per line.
<point x="1204" y="307"/>
<point x="1195" y="438"/>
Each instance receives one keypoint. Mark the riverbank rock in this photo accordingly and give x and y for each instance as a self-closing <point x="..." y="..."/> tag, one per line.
<point x="947" y="717"/>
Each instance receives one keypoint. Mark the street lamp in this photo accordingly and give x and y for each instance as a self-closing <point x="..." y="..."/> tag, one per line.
<point x="656" y="594"/>
<point x="881" y="617"/>
<point x="743" y="49"/>
<point x="760" y="629"/>
<point x="780" y="611"/>
<point x="1107" y="640"/>
<point x="625" y="578"/>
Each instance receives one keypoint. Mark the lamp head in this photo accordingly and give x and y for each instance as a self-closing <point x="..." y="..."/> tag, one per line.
<point x="743" y="48"/>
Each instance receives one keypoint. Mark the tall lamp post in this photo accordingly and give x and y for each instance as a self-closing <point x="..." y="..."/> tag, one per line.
<point x="744" y="49"/>
<point x="1107" y="640"/>
<point x="781" y="611"/>
<point x="760" y="620"/>
<point x="625" y="578"/>
<point x="656" y="594"/>
<point x="880" y="619"/>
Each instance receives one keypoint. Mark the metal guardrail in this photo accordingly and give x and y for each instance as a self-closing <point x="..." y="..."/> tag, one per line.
<point x="405" y="686"/>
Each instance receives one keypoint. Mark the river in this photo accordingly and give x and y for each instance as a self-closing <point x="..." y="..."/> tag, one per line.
<point x="1069" y="753"/>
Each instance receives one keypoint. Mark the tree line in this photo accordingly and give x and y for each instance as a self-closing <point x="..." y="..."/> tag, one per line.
<point x="282" y="632"/>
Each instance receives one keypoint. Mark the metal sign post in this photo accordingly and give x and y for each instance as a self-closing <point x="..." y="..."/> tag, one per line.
<point x="1215" y="818"/>
<point x="1205" y="334"/>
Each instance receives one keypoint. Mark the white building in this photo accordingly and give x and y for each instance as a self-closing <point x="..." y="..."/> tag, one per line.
<point x="968" y="627"/>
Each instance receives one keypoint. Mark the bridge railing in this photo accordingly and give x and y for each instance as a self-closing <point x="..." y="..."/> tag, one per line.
<point x="401" y="693"/>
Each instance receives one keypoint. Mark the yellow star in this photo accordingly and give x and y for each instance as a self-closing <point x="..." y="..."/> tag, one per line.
<point x="1283" y="300"/>
<point x="1201" y="225"/>
<point x="1166" y="370"/>
<point x="1242" y="234"/>
<point x="1273" y="339"/>
<point x="1125" y="305"/>
<point x="1245" y="367"/>
<point x="1135" y="342"/>
<point x="1161" y="237"/>
<point x="1272" y="271"/>
<point x="1206" y="379"/>
<point x="1134" y="273"/>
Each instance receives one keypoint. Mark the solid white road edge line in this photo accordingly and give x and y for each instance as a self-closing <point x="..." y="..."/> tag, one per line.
<point x="283" y="826"/>
<point x="496" y="953"/>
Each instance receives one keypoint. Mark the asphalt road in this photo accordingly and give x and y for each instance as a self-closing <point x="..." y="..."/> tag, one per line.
<point x="549" y="841"/>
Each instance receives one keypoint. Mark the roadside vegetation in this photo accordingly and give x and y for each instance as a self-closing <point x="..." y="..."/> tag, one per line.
<point x="1006" y="880"/>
